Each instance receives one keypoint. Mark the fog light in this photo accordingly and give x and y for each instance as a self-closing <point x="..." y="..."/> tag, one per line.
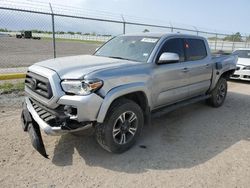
<point x="70" y="111"/>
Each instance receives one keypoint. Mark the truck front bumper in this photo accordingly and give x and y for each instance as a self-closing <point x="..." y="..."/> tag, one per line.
<point x="30" y="114"/>
<point x="35" y="116"/>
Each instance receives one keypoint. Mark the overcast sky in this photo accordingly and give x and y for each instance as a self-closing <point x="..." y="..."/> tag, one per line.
<point x="222" y="16"/>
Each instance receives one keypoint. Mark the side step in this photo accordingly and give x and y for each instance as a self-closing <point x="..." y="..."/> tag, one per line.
<point x="164" y="110"/>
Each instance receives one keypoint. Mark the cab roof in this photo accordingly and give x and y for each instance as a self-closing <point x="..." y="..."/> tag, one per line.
<point x="162" y="35"/>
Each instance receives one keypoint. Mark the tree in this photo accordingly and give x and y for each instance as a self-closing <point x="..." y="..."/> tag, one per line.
<point x="145" y="31"/>
<point x="234" y="37"/>
<point x="60" y="32"/>
<point x="71" y="32"/>
<point x="3" y="30"/>
<point x="212" y="38"/>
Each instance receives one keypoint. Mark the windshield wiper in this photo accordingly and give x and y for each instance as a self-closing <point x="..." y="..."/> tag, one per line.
<point x="117" y="57"/>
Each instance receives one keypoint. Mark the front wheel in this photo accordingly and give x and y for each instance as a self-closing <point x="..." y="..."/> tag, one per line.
<point x="122" y="126"/>
<point x="218" y="95"/>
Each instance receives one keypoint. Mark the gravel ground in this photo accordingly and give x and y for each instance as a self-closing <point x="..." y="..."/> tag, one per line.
<point x="25" y="52"/>
<point x="196" y="146"/>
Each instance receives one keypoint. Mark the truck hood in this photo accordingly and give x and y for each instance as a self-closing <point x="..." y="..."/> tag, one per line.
<point x="243" y="61"/>
<point x="76" y="67"/>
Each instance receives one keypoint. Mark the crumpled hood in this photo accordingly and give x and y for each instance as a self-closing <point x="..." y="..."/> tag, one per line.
<point x="76" y="67"/>
<point x="243" y="61"/>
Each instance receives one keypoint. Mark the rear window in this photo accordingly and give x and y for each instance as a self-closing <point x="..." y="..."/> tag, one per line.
<point x="195" y="49"/>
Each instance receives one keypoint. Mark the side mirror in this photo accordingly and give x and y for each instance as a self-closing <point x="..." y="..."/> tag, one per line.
<point x="168" y="57"/>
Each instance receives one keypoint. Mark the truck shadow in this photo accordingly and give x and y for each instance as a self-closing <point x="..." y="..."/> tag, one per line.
<point x="182" y="139"/>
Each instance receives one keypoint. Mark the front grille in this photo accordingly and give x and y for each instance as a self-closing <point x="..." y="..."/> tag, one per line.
<point x="54" y="119"/>
<point x="38" y="84"/>
<point x="235" y="76"/>
<point x="246" y="76"/>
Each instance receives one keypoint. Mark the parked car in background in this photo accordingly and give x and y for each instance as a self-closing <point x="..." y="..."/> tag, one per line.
<point x="243" y="66"/>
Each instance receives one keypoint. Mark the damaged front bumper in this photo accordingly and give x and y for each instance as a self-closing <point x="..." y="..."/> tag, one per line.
<point x="35" y="116"/>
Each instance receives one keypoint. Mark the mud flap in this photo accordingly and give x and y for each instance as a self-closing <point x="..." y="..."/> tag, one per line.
<point x="36" y="139"/>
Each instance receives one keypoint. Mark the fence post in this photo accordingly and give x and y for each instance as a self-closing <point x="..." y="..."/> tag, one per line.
<point x="53" y="30"/>
<point x="246" y="41"/>
<point x="233" y="44"/>
<point x="216" y="37"/>
<point x="124" y="24"/>
<point x="172" y="28"/>
<point x="197" y="31"/>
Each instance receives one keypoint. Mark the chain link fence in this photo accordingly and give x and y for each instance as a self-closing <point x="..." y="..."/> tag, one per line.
<point x="32" y="32"/>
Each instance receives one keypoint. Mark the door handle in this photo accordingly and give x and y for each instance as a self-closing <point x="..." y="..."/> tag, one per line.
<point x="207" y="65"/>
<point x="185" y="69"/>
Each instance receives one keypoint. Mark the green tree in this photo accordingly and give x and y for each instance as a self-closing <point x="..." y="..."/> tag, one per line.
<point x="3" y="30"/>
<point x="71" y="32"/>
<point x="234" y="37"/>
<point x="60" y="32"/>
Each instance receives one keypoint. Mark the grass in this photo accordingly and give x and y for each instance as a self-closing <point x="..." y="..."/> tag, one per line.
<point x="6" y="88"/>
<point x="74" y="40"/>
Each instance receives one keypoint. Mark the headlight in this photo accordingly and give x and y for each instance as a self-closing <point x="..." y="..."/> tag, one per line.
<point x="81" y="87"/>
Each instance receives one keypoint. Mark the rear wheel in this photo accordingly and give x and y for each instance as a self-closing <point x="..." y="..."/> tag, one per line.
<point x="122" y="126"/>
<point x="218" y="95"/>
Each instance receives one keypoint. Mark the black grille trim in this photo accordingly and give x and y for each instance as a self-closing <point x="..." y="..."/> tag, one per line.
<point x="54" y="117"/>
<point x="39" y="85"/>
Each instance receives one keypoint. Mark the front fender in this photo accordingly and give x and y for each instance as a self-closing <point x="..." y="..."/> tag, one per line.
<point x="118" y="92"/>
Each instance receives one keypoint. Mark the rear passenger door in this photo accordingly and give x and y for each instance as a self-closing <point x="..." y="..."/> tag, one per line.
<point x="199" y="66"/>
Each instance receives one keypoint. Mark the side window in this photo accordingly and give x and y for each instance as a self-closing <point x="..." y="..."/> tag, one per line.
<point x="174" y="46"/>
<point x="195" y="49"/>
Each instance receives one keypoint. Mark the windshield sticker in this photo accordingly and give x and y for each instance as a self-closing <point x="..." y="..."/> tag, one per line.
<point x="150" y="40"/>
<point x="145" y="54"/>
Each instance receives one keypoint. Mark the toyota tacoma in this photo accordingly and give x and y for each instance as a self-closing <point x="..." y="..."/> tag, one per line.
<point x="119" y="88"/>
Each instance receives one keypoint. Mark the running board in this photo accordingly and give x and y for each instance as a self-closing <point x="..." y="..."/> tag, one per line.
<point x="164" y="110"/>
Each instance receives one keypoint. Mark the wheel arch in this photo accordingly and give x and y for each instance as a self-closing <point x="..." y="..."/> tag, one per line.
<point x="136" y="92"/>
<point x="220" y="74"/>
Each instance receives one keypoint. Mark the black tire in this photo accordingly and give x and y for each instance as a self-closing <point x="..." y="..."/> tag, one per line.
<point x="110" y="134"/>
<point x="218" y="95"/>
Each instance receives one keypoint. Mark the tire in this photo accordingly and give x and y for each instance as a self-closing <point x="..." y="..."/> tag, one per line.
<point x="124" y="117"/>
<point x="218" y="95"/>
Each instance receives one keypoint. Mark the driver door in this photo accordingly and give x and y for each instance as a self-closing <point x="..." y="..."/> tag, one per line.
<point x="170" y="80"/>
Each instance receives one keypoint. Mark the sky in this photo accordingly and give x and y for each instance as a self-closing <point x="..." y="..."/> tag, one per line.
<point x="214" y="15"/>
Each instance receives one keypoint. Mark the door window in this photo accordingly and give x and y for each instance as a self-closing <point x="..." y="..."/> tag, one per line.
<point x="174" y="46"/>
<point x="195" y="49"/>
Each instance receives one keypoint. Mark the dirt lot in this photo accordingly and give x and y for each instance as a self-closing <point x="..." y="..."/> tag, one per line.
<point x="197" y="146"/>
<point x="24" y="52"/>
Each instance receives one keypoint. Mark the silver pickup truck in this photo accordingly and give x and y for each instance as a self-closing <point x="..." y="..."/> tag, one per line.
<point x="121" y="86"/>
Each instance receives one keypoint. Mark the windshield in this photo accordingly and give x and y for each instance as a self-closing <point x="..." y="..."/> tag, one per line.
<point x="136" y="48"/>
<point x="242" y="53"/>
